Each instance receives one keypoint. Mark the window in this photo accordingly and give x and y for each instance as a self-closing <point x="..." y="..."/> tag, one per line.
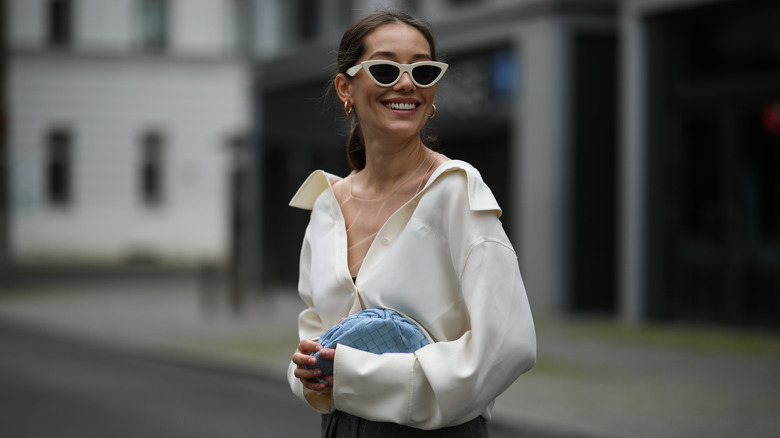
<point x="59" y="167"/>
<point x="152" y="169"/>
<point x="152" y="25"/>
<point x="60" y="23"/>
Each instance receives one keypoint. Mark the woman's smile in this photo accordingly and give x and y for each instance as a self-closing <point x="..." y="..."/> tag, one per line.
<point x="405" y="105"/>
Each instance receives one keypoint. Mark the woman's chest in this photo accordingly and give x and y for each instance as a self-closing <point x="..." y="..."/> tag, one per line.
<point x="410" y="270"/>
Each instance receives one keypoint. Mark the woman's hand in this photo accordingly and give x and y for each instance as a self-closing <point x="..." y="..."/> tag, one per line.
<point x="303" y="357"/>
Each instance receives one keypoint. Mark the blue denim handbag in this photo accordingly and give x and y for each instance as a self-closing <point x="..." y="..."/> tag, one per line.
<point x="373" y="330"/>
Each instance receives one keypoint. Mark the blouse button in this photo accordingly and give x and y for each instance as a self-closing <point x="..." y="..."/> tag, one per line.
<point x="385" y="241"/>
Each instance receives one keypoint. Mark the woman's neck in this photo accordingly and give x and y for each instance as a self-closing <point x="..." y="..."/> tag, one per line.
<point x="387" y="165"/>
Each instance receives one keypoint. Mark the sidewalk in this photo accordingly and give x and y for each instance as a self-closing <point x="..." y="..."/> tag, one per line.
<point x="592" y="379"/>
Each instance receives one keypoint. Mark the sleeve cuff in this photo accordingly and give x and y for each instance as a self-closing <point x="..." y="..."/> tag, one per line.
<point x="372" y="386"/>
<point x="321" y="402"/>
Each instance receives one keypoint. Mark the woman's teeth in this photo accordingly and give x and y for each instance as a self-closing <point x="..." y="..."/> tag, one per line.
<point x="400" y="106"/>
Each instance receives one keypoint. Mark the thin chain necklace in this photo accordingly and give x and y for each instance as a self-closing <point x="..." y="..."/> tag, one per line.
<point x="395" y="188"/>
<point x="380" y="215"/>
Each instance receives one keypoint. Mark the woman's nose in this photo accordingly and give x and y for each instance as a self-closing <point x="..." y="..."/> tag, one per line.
<point x="405" y="82"/>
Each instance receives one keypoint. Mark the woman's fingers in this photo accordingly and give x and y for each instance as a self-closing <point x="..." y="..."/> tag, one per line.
<point x="303" y="358"/>
<point x="328" y="353"/>
<point x="309" y="377"/>
<point x="308" y="346"/>
<point x="307" y="373"/>
<point x="315" y="385"/>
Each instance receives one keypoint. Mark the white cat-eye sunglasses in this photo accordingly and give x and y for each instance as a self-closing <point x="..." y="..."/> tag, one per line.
<point x="387" y="73"/>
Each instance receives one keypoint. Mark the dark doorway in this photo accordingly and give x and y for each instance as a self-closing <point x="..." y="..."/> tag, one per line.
<point x="593" y="174"/>
<point x="714" y="165"/>
<point x="727" y="250"/>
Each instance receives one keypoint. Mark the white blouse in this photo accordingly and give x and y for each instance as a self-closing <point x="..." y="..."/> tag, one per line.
<point x="443" y="260"/>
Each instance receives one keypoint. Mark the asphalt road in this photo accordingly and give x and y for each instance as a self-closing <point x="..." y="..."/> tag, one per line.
<point x="57" y="387"/>
<point x="51" y="387"/>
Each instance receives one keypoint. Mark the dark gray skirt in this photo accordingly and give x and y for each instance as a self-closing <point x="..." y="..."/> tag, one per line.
<point x="343" y="425"/>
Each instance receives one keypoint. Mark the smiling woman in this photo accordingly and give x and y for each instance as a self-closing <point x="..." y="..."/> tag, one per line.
<point x="417" y="234"/>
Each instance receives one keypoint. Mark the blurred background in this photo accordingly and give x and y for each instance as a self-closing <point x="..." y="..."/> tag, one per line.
<point x="634" y="146"/>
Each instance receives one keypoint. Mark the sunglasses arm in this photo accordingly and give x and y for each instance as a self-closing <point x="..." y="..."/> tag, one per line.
<point x="352" y="71"/>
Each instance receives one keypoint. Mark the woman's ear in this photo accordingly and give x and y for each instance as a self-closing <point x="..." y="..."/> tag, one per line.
<point x="343" y="87"/>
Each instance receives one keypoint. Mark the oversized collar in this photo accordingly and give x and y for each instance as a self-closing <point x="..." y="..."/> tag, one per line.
<point x="480" y="196"/>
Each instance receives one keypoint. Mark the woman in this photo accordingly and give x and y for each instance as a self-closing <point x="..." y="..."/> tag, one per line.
<point x="412" y="231"/>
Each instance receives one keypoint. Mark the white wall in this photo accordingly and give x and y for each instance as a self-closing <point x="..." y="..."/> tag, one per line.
<point x="26" y="24"/>
<point x="108" y="107"/>
<point x="108" y="97"/>
<point x="103" y="24"/>
<point x="197" y="27"/>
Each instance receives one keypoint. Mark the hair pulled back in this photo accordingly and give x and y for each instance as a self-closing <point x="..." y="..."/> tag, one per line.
<point x="352" y="48"/>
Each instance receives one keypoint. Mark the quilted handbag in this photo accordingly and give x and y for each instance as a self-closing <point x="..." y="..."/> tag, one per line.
<point x="373" y="330"/>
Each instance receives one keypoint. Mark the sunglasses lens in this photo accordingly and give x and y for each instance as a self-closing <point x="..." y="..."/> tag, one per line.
<point x="425" y="74"/>
<point x="384" y="73"/>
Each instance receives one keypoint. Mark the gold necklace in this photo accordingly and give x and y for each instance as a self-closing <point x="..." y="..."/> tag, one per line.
<point x="367" y="205"/>
<point x="397" y="186"/>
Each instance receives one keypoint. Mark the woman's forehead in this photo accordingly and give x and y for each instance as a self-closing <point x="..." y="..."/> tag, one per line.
<point x="397" y="40"/>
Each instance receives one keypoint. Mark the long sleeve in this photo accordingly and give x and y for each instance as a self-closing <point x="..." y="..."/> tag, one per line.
<point x="449" y="382"/>
<point x="309" y="324"/>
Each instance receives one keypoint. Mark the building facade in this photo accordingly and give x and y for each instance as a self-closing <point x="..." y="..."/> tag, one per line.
<point x="122" y="119"/>
<point x="700" y="161"/>
<point x="632" y="144"/>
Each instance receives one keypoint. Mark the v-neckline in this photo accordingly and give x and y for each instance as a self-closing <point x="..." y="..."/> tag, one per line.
<point x="343" y="231"/>
<point x="344" y="251"/>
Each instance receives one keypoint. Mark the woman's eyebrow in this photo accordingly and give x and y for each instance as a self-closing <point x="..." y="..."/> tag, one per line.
<point x="392" y="55"/>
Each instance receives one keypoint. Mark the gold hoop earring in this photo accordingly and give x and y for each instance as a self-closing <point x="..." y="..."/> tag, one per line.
<point x="347" y="108"/>
<point x="433" y="113"/>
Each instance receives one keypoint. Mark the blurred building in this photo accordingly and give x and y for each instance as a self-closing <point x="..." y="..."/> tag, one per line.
<point x="124" y="115"/>
<point x="632" y="144"/>
<point x="700" y="161"/>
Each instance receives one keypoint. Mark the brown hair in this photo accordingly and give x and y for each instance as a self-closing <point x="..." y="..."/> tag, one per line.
<point x="352" y="48"/>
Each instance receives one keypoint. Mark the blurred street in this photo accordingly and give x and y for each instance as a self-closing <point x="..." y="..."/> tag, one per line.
<point x="158" y="353"/>
<point x="96" y="355"/>
<point x="52" y="387"/>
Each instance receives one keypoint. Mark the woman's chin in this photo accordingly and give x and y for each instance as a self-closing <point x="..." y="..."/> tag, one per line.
<point x="404" y="128"/>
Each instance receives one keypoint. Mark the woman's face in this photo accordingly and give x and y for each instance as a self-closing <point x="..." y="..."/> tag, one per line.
<point x="386" y="111"/>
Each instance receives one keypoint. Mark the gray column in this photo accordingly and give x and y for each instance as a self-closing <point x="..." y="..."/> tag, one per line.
<point x="632" y="164"/>
<point x="543" y="164"/>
